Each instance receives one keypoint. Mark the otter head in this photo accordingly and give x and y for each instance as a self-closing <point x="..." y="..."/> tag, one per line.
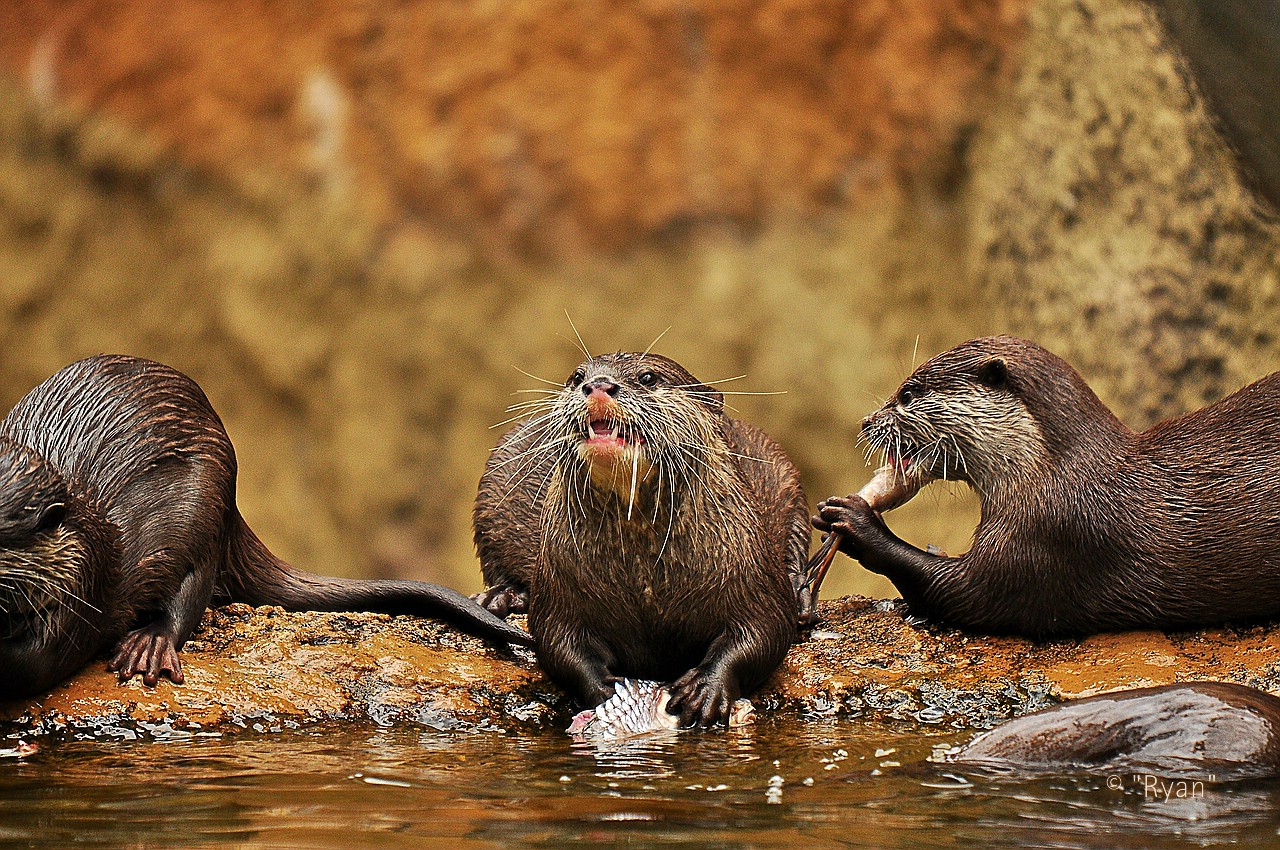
<point x="38" y="553"/>
<point x="976" y="413"/>
<point x="628" y="414"/>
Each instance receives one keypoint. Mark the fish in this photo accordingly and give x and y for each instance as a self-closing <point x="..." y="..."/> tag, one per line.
<point x="21" y="751"/>
<point x="639" y="707"/>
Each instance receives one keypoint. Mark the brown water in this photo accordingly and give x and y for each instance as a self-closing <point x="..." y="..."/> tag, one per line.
<point x="364" y="787"/>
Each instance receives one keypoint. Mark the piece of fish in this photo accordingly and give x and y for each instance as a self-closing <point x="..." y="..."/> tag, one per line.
<point x="888" y="489"/>
<point x="639" y="707"/>
<point x="21" y="751"/>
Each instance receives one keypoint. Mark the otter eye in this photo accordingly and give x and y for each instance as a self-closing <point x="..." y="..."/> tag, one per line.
<point x="648" y="379"/>
<point x="576" y="378"/>
<point x="908" y="394"/>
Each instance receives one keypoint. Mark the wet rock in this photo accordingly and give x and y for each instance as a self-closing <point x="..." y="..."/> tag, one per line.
<point x="267" y="670"/>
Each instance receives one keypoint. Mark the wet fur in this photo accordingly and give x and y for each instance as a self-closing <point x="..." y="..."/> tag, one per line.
<point x="118" y="523"/>
<point x="1086" y="526"/>
<point x="697" y="586"/>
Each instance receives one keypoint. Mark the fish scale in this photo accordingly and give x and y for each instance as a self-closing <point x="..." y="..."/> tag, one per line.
<point x="639" y="707"/>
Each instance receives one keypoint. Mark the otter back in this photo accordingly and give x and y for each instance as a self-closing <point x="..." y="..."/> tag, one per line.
<point x="117" y="497"/>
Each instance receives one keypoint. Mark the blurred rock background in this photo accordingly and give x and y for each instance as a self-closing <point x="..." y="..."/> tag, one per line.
<point x="355" y="223"/>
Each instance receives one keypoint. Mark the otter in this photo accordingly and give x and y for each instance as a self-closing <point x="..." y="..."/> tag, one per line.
<point x="119" y="526"/>
<point x="1086" y="526"/>
<point x="648" y="534"/>
<point x="1228" y="730"/>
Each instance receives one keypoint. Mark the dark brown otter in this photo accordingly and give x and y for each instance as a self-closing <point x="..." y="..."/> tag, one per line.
<point x="652" y="536"/>
<point x="118" y="525"/>
<point x="1227" y="730"/>
<point x="1086" y="526"/>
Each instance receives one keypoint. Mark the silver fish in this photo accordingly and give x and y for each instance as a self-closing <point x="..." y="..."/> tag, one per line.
<point x="639" y="707"/>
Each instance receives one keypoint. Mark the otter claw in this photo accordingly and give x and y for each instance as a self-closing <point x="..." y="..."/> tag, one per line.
<point x="701" y="700"/>
<point x="149" y="654"/>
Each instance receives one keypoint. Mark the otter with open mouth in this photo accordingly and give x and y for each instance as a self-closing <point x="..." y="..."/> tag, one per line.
<point x="1086" y="526"/>
<point x="648" y="535"/>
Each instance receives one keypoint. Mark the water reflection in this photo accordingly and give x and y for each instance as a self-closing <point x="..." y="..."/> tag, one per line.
<point x="822" y="784"/>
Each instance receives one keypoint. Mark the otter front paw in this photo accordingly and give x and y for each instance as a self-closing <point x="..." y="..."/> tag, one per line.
<point x="149" y="651"/>
<point x="504" y="599"/>
<point x="701" y="698"/>
<point x="851" y="518"/>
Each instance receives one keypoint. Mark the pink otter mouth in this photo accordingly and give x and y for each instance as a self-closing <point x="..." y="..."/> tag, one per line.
<point x="900" y="463"/>
<point x="611" y="434"/>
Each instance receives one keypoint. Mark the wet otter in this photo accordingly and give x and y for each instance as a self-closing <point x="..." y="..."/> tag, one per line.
<point x="1086" y="526"/>
<point x="1229" y="730"/>
<point x="118" y="525"/>
<point x="651" y="535"/>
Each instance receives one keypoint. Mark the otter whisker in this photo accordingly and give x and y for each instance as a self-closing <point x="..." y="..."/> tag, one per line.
<point x="581" y="344"/>
<point x="752" y="392"/>
<point x="522" y="415"/>
<point x="763" y="460"/>
<point x="707" y="383"/>
<point x="523" y="472"/>
<point x="526" y="411"/>
<point x="540" y="427"/>
<point x="548" y="403"/>
<point x="959" y="456"/>
<point x="532" y="451"/>
<point x="557" y="384"/>
<point x="635" y="481"/>
<point x="655" y="340"/>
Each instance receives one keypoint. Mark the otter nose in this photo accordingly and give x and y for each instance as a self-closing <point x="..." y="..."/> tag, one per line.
<point x="867" y="421"/>
<point x="600" y="387"/>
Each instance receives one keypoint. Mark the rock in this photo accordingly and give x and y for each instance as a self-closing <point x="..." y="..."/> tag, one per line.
<point x="267" y="670"/>
<point x="1110" y="220"/>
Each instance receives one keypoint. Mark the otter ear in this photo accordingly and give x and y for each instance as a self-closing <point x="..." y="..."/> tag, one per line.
<point x="994" y="374"/>
<point x="710" y="396"/>
<point x="51" y="517"/>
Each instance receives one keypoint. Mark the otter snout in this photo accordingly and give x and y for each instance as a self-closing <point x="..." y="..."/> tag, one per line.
<point x="601" y="387"/>
<point x="876" y="420"/>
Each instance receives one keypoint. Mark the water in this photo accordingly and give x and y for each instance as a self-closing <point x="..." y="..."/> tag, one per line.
<point x="353" y="786"/>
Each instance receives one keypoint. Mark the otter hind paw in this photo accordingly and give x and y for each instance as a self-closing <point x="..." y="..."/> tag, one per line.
<point x="503" y="600"/>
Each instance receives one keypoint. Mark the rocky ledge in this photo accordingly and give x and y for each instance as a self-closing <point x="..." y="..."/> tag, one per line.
<point x="266" y="670"/>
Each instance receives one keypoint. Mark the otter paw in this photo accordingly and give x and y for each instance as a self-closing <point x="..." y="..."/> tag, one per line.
<point x="850" y="517"/>
<point x="148" y="652"/>
<point x="702" y="699"/>
<point x="504" y="599"/>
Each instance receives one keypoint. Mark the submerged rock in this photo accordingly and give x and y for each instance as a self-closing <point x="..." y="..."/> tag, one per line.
<point x="265" y="669"/>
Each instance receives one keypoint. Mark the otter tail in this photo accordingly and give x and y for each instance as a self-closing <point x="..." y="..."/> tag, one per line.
<point x="251" y="574"/>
